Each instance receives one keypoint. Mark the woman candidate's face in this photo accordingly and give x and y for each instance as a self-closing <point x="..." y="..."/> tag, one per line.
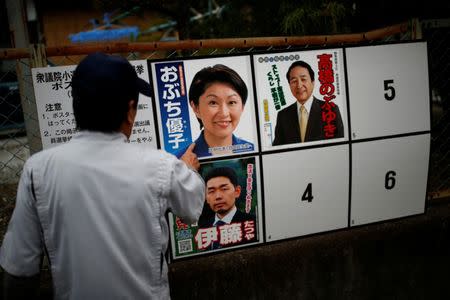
<point x="220" y="108"/>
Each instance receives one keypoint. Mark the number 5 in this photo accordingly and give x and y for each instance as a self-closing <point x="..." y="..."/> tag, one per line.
<point x="390" y="91"/>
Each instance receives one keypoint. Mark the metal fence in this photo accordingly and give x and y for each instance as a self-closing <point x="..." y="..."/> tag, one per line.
<point x="437" y="34"/>
<point x="19" y="128"/>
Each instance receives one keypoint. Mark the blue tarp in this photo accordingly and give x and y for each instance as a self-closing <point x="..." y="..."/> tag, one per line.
<point x="105" y="35"/>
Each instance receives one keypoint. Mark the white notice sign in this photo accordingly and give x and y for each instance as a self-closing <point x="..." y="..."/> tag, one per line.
<point x="53" y="93"/>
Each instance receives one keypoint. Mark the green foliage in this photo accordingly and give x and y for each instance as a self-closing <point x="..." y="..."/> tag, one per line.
<point x="313" y="17"/>
<point x="275" y="18"/>
<point x="248" y="18"/>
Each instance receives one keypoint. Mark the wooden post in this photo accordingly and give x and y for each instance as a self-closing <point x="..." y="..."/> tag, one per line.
<point x="19" y="35"/>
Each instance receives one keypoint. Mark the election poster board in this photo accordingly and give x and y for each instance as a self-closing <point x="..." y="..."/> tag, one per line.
<point x="223" y="121"/>
<point x="241" y="225"/>
<point x="53" y="93"/>
<point x="364" y="159"/>
<point x="350" y="172"/>
<point x="278" y="97"/>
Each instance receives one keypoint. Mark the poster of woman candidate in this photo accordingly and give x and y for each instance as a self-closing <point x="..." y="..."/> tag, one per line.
<point x="208" y="101"/>
<point x="301" y="97"/>
<point x="231" y="214"/>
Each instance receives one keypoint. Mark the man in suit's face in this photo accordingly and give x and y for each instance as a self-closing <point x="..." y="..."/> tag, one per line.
<point x="221" y="195"/>
<point x="300" y="84"/>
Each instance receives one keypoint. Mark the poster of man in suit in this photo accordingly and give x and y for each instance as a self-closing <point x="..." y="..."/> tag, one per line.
<point x="231" y="212"/>
<point x="302" y="97"/>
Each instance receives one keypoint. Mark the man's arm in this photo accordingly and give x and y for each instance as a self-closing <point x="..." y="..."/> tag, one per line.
<point x="187" y="188"/>
<point x="21" y="251"/>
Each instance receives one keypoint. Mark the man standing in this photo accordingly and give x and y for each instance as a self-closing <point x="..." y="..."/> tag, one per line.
<point x="302" y="121"/>
<point x="97" y="204"/>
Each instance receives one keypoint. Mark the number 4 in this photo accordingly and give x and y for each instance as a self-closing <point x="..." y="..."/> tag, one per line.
<point x="307" y="194"/>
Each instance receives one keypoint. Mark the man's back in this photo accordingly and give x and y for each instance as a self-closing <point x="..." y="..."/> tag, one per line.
<point x="101" y="203"/>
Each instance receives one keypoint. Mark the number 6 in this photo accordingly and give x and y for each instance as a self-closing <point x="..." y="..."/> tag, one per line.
<point x="389" y="180"/>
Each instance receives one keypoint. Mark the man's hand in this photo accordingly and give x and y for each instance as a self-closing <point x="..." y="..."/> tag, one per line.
<point x="190" y="158"/>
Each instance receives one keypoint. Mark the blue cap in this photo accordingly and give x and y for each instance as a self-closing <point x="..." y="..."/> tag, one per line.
<point x="100" y="73"/>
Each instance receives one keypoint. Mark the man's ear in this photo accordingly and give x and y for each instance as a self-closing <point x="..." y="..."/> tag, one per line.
<point x="237" y="191"/>
<point x="132" y="110"/>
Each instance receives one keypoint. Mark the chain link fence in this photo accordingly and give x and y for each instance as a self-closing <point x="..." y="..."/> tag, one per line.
<point x="19" y="128"/>
<point x="437" y="34"/>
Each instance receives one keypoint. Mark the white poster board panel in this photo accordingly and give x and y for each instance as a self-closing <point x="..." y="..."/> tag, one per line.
<point x="178" y="123"/>
<point x="306" y="191"/>
<point x="278" y="114"/>
<point x="53" y="93"/>
<point x="389" y="178"/>
<point x="388" y="89"/>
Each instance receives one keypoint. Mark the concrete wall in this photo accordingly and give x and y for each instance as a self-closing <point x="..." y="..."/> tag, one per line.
<point x="403" y="259"/>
